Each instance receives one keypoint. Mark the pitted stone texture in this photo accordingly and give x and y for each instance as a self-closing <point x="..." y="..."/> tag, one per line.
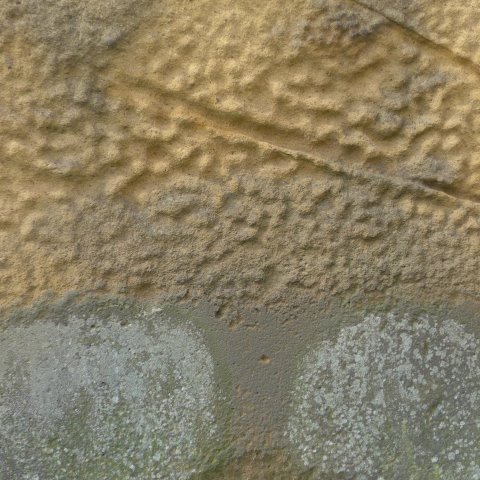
<point x="255" y="162"/>
<point x="452" y="24"/>
<point x="116" y="393"/>
<point x="336" y="81"/>
<point x="68" y="28"/>
<point x="392" y="398"/>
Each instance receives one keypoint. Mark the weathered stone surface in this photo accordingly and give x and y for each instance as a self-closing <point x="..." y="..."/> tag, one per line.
<point x="320" y="153"/>
<point x="450" y="24"/>
<point x="273" y="163"/>
<point x="391" y="398"/>
<point x="108" y="390"/>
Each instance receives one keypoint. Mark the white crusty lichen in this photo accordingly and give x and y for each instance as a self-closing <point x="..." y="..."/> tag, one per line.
<point x="394" y="397"/>
<point x="128" y="396"/>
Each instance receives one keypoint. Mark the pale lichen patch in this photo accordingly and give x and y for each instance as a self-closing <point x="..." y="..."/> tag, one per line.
<point x="114" y="393"/>
<point x="394" y="397"/>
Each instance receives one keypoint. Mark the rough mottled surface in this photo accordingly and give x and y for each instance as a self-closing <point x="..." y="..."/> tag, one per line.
<point x="286" y="163"/>
<point x="271" y="162"/>
<point x="392" y="398"/>
<point x="107" y="391"/>
<point x="450" y="24"/>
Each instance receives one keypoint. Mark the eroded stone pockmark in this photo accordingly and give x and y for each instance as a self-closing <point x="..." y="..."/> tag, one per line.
<point x="392" y="398"/>
<point x="112" y="393"/>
